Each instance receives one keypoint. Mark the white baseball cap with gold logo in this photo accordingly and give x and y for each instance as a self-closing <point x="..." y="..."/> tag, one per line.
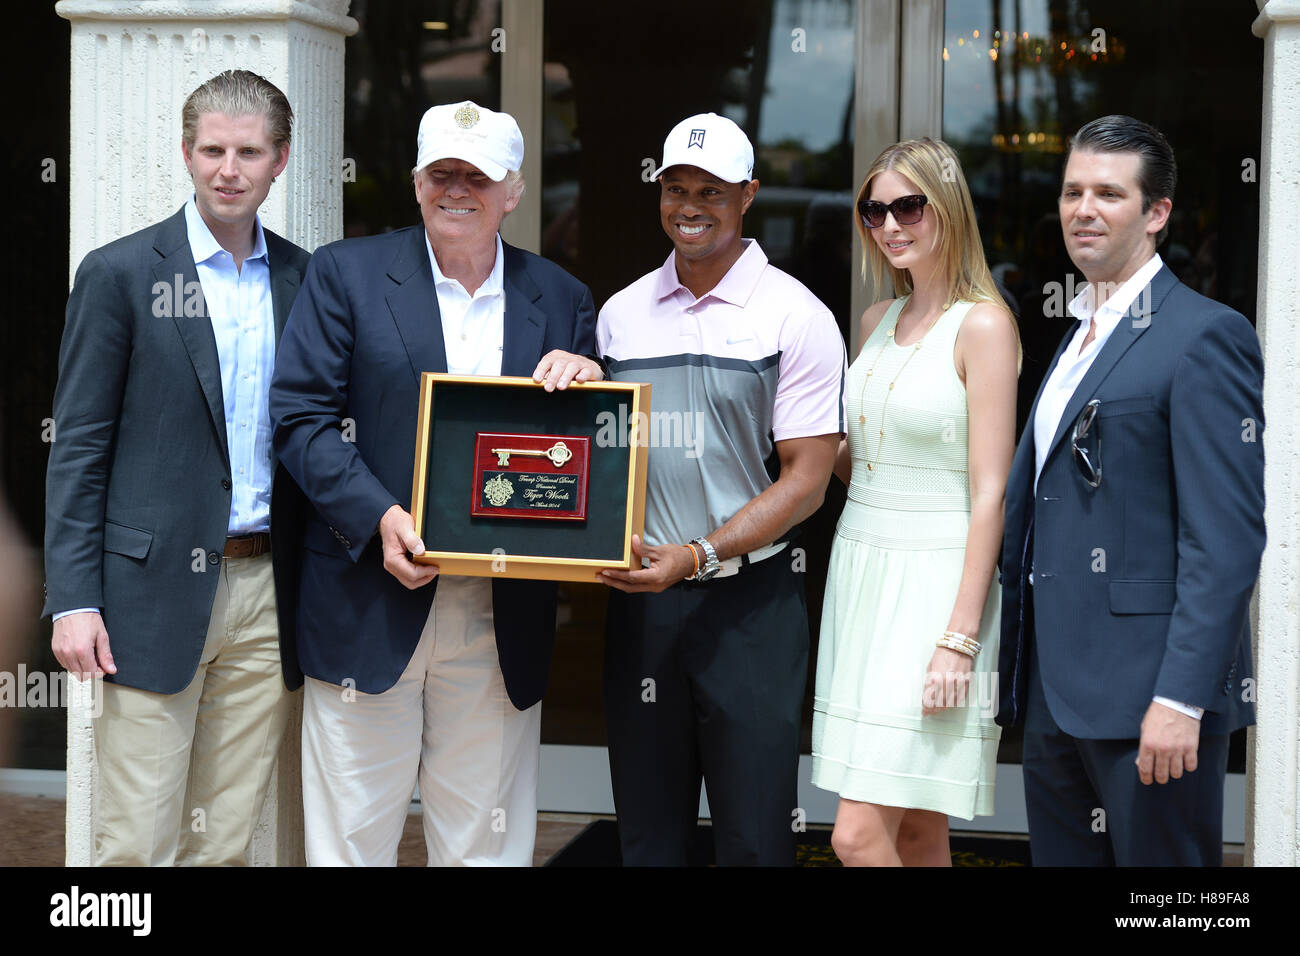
<point x="487" y="139"/>
<point x="713" y="143"/>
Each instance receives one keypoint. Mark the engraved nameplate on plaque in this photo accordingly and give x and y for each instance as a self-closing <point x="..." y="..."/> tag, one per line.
<point x="530" y="476"/>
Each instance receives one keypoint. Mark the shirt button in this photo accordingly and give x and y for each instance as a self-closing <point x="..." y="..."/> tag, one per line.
<point x="225" y="483"/>
<point x="214" y="558"/>
<point x="464" y="337"/>
<point x="690" y="311"/>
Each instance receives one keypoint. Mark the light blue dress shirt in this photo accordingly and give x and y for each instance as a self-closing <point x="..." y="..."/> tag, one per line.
<point x="243" y="321"/>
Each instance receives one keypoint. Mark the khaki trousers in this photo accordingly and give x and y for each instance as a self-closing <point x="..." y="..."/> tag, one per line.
<point x="182" y="777"/>
<point x="446" y="725"/>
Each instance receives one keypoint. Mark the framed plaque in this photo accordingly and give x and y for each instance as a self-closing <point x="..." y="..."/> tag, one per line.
<point x="514" y="481"/>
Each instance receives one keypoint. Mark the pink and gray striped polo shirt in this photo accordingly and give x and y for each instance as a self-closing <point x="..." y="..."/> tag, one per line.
<point x="756" y="361"/>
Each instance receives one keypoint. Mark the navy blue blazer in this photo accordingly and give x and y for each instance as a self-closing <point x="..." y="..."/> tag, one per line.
<point x="1142" y="585"/>
<point x="137" y="500"/>
<point x="363" y="329"/>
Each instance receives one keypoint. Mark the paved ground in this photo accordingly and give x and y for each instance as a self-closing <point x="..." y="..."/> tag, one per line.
<point x="31" y="833"/>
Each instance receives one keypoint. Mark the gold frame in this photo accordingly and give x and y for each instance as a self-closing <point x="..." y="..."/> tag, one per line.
<point x="522" y="565"/>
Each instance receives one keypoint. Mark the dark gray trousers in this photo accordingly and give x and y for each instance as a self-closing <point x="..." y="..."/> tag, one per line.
<point x="706" y="682"/>
<point x="1087" y="807"/>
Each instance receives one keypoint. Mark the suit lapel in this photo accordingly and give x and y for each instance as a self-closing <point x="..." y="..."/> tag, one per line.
<point x="414" y="305"/>
<point x="284" y="282"/>
<point x="1131" y="327"/>
<point x="525" y="323"/>
<point x="176" y="271"/>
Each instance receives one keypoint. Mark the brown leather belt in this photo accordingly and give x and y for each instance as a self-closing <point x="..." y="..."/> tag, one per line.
<point x="248" y="545"/>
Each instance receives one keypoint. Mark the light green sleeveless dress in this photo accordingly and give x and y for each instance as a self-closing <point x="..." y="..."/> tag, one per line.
<point x="895" y="567"/>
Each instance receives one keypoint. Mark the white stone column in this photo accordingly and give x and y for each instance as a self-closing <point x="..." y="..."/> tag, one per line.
<point x="521" y="97"/>
<point x="1272" y="827"/>
<point x="133" y="64"/>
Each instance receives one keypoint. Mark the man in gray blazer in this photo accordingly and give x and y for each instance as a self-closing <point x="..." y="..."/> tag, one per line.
<point x="170" y="527"/>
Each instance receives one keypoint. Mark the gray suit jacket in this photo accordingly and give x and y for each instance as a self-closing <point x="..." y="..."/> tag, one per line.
<point x="139" y="485"/>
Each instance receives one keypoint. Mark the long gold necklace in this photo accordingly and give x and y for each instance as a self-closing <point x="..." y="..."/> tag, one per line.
<point x="862" y="416"/>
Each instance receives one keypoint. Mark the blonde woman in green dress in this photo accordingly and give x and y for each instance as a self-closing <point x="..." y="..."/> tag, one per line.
<point x="903" y="724"/>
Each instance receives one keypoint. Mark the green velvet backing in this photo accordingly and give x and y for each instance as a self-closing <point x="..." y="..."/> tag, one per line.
<point x="460" y="411"/>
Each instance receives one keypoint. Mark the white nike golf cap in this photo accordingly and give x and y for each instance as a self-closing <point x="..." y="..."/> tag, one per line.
<point x="487" y="139"/>
<point x="714" y="144"/>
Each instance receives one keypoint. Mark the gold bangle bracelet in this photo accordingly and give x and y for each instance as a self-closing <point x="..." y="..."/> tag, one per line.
<point x="960" y="650"/>
<point x="968" y="647"/>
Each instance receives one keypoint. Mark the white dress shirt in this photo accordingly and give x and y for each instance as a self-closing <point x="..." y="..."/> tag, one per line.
<point x="1073" y="366"/>
<point x="473" y="336"/>
<point x="473" y="327"/>
<point x="1076" y="360"/>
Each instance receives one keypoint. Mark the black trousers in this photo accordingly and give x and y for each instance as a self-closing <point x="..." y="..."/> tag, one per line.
<point x="1087" y="807"/>
<point x="706" y="682"/>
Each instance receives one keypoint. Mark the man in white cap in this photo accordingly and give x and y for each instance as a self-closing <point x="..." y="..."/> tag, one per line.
<point x="706" y="650"/>
<point x="411" y="677"/>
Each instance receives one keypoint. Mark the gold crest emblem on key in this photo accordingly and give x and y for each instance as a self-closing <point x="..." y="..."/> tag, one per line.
<point x="558" y="454"/>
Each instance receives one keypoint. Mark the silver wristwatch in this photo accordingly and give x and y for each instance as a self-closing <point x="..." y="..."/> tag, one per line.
<point x="711" y="564"/>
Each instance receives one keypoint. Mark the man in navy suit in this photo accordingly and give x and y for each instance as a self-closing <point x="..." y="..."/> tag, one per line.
<point x="1134" y="529"/>
<point x="411" y="678"/>
<point x="170" y="532"/>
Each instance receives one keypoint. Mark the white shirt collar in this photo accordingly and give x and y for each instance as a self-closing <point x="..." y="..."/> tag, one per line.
<point x="203" y="245"/>
<point x="491" y="286"/>
<point x="1114" y="307"/>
